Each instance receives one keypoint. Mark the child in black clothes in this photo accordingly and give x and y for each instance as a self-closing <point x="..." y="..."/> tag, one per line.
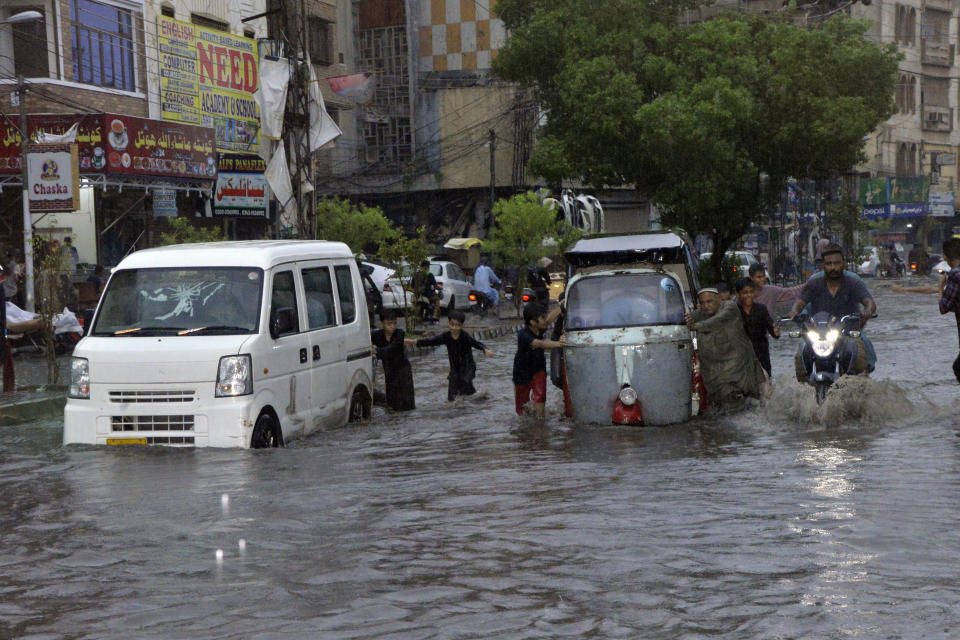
<point x="397" y="375"/>
<point x="459" y="344"/>
<point x="757" y="322"/>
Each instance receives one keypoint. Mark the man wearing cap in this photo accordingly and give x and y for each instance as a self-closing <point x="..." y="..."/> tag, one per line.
<point x="729" y="365"/>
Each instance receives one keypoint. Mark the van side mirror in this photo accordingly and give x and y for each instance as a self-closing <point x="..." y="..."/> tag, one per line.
<point x="282" y="321"/>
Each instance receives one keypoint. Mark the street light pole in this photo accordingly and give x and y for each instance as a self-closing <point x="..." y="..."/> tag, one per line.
<point x="28" y="294"/>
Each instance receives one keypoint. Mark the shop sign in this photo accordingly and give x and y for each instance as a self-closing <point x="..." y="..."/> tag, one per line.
<point x="208" y="78"/>
<point x="53" y="181"/>
<point x="165" y="203"/>
<point x="137" y="146"/>
<point x="941" y="204"/>
<point x="108" y="143"/>
<point x="241" y="189"/>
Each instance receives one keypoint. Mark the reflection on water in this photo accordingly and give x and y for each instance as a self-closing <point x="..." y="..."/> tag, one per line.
<point x="460" y="520"/>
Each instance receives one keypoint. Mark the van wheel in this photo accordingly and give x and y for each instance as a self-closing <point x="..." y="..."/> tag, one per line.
<point x="266" y="433"/>
<point x="360" y="405"/>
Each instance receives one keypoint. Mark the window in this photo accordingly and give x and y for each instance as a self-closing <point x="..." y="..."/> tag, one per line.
<point x="249" y="33"/>
<point x="320" y="41"/>
<point x="168" y="11"/>
<point x="628" y="300"/>
<point x="102" y="45"/>
<point x="345" y="287"/>
<point x="30" y="46"/>
<point x="318" y="289"/>
<point x="285" y="296"/>
<point x="210" y="23"/>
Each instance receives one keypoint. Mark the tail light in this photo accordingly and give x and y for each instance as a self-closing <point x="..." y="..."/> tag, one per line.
<point x="525" y="297"/>
<point x="473" y="297"/>
<point x="386" y="288"/>
<point x="913" y="266"/>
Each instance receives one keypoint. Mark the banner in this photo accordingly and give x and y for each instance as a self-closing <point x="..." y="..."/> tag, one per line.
<point x="941" y="204"/>
<point x="113" y="143"/>
<point x="241" y="187"/>
<point x="53" y="179"/>
<point x="873" y="191"/>
<point x="357" y="87"/>
<point x="208" y="78"/>
<point x="165" y="203"/>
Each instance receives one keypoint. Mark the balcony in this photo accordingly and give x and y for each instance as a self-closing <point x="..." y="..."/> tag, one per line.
<point x="939" y="53"/>
<point x="937" y="118"/>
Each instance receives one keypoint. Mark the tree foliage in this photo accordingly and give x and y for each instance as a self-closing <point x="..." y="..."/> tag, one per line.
<point x="183" y="231"/>
<point x="362" y="228"/>
<point x="709" y="119"/>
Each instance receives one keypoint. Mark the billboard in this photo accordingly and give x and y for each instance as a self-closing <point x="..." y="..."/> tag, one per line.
<point x="118" y="144"/>
<point x="207" y="78"/>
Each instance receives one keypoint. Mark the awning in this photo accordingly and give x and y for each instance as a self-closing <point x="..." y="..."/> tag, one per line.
<point x="462" y="244"/>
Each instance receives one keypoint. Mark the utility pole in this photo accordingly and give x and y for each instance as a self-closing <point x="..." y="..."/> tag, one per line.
<point x="493" y="169"/>
<point x="28" y="295"/>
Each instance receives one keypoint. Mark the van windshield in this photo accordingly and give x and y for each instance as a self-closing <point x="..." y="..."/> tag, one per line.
<point x="194" y="301"/>
<point x="624" y="300"/>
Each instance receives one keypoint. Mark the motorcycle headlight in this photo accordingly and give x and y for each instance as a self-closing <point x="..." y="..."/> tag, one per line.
<point x="79" y="378"/>
<point x="234" y="376"/>
<point x="823" y="345"/>
<point x="628" y="396"/>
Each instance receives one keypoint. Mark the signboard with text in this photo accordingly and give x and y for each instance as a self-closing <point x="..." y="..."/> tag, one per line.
<point x="54" y="182"/>
<point x="241" y="187"/>
<point x="117" y="144"/>
<point x="207" y="78"/>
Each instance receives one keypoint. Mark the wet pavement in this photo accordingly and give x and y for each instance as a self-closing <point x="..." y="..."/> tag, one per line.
<point x="785" y="520"/>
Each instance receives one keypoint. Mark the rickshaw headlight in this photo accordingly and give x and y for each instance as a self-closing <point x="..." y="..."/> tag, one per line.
<point x="628" y="396"/>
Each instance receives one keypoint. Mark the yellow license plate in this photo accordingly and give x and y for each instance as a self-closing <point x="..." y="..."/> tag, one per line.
<point x="126" y="441"/>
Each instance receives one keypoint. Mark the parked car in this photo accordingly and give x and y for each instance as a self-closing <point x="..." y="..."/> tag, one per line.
<point x="940" y="268"/>
<point x="742" y="261"/>
<point x="456" y="286"/>
<point x="393" y="293"/>
<point x="453" y="283"/>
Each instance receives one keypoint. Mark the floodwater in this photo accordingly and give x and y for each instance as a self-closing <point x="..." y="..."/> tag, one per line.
<point x="461" y="521"/>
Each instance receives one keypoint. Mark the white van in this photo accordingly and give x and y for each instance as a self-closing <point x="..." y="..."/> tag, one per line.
<point x="226" y="344"/>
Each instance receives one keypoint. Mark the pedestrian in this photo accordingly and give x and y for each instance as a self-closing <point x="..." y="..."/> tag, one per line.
<point x="724" y="291"/>
<point x="757" y="323"/>
<point x="729" y="365"/>
<point x="71" y="254"/>
<point x="530" y="363"/>
<point x="6" y="353"/>
<point x="391" y="351"/>
<point x="459" y="345"/>
<point x="950" y="289"/>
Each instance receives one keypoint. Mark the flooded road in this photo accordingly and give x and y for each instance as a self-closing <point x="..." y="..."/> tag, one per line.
<point x="461" y="521"/>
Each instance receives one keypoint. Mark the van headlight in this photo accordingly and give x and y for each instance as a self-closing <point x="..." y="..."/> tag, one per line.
<point x="79" y="378"/>
<point x="234" y="376"/>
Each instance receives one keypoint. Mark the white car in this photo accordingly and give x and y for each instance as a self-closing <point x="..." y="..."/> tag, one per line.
<point x="393" y="294"/>
<point x="456" y="286"/>
<point x="742" y="259"/>
<point x="940" y="268"/>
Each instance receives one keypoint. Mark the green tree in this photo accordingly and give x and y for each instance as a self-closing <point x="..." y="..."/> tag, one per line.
<point x="709" y="119"/>
<point x="183" y="231"/>
<point x="362" y="228"/>
<point x="524" y="230"/>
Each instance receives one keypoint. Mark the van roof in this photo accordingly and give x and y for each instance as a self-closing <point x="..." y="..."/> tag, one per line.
<point x="246" y="253"/>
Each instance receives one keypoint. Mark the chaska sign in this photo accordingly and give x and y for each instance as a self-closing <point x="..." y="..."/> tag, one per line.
<point x="207" y="78"/>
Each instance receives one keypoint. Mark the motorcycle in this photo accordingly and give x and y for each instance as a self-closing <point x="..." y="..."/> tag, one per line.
<point x="481" y="303"/>
<point x="829" y="348"/>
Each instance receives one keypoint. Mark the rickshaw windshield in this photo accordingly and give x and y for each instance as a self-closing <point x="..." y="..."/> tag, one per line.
<point x="624" y="300"/>
<point x="195" y="301"/>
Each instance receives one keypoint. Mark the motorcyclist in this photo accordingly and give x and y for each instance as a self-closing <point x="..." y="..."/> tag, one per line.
<point x="425" y="287"/>
<point x="839" y="295"/>
<point x="486" y="281"/>
<point x="539" y="280"/>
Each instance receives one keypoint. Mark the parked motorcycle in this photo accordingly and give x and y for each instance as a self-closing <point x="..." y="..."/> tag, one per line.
<point x="481" y="303"/>
<point x="829" y="348"/>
